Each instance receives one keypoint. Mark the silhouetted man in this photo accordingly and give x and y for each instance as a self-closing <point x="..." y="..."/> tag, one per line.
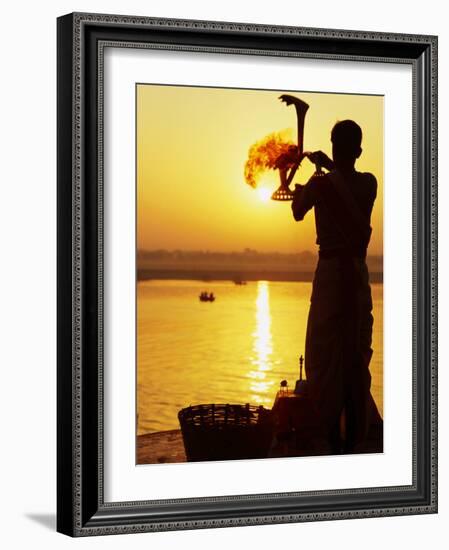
<point x="339" y="327"/>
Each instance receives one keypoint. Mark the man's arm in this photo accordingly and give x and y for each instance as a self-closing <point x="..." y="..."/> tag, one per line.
<point x="371" y="189"/>
<point x="303" y="199"/>
<point x="321" y="159"/>
<point x="373" y="186"/>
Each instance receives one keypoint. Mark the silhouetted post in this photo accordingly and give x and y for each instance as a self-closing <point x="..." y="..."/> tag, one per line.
<point x="301" y="385"/>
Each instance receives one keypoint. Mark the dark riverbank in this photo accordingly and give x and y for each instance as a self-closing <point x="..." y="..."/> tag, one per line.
<point x="232" y="275"/>
<point x="248" y="265"/>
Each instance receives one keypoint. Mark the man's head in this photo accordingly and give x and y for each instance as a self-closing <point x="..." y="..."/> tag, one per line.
<point x="346" y="140"/>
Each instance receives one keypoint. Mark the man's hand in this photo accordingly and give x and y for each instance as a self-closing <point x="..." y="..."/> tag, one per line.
<point x="320" y="158"/>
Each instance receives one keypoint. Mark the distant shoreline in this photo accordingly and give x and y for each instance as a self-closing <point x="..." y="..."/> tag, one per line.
<point x="230" y="275"/>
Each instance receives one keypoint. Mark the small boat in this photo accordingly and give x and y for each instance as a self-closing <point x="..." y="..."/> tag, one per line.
<point x="207" y="297"/>
<point x="239" y="282"/>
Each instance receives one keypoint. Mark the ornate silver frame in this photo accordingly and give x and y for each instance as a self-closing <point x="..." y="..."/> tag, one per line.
<point x="81" y="41"/>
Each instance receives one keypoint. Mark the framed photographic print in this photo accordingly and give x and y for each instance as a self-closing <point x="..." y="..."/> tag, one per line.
<point x="247" y="288"/>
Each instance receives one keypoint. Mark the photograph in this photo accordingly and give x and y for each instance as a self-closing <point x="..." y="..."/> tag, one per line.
<point x="259" y="273"/>
<point x="246" y="273"/>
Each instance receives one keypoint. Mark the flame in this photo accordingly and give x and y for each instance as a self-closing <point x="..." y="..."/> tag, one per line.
<point x="273" y="151"/>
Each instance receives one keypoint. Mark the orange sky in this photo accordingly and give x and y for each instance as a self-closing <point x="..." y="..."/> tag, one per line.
<point x="192" y="144"/>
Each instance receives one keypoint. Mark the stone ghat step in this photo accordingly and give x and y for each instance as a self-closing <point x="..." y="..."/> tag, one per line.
<point x="160" y="448"/>
<point x="168" y="447"/>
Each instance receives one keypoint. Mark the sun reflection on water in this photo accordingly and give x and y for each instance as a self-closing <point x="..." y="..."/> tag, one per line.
<point x="263" y="348"/>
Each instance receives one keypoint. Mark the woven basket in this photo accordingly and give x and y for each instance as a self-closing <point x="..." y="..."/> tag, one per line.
<point x="226" y="432"/>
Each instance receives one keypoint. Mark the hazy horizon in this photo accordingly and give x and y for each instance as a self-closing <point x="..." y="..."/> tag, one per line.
<point x="244" y="251"/>
<point x="249" y="265"/>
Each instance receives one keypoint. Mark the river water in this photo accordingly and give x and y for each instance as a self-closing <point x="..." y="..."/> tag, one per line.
<point x="234" y="350"/>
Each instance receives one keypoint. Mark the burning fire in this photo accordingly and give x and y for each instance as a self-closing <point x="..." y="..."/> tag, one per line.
<point x="273" y="151"/>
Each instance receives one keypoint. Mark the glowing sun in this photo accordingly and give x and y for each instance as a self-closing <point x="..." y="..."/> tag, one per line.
<point x="264" y="194"/>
